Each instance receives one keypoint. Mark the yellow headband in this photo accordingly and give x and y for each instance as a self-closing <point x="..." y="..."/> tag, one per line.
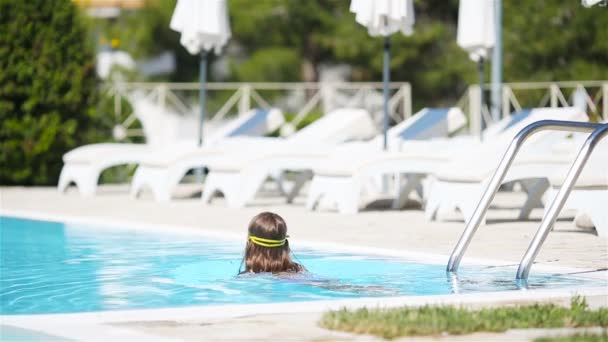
<point x="267" y="242"/>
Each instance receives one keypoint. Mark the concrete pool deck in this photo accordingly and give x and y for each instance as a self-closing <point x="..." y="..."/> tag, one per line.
<point x="502" y="238"/>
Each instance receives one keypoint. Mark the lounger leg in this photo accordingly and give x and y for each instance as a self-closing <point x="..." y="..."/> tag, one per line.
<point x="279" y="179"/>
<point x="218" y="182"/>
<point x="314" y="192"/>
<point x="88" y="185"/>
<point x="446" y="196"/>
<point x="238" y="188"/>
<point x="441" y="198"/>
<point x="300" y="181"/>
<point x="252" y="182"/>
<point x="136" y="183"/>
<point x="159" y="180"/>
<point x="535" y="195"/>
<point x="432" y="198"/>
<point x="348" y="195"/>
<point x="84" y="176"/>
<point x="65" y="178"/>
<point x="592" y="202"/>
<point x="599" y="217"/>
<point x="411" y="184"/>
<point x="583" y="220"/>
<point x="526" y="184"/>
<point x="344" y="191"/>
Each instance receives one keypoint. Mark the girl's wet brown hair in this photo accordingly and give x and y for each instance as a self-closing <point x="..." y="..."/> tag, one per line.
<point x="258" y="258"/>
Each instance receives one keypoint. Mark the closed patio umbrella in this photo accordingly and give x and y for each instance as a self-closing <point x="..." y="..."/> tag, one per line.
<point x="590" y="3"/>
<point x="476" y="33"/>
<point x="383" y="18"/>
<point x="204" y="27"/>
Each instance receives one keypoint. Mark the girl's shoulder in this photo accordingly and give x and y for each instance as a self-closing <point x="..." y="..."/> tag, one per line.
<point x="298" y="268"/>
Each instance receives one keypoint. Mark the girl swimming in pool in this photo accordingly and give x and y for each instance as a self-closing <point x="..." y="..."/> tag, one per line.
<point x="267" y="248"/>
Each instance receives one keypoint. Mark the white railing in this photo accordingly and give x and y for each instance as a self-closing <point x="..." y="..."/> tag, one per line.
<point x="300" y="98"/>
<point x="593" y="95"/>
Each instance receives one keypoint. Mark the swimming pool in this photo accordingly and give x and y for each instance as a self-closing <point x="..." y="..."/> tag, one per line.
<point x="53" y="267"/>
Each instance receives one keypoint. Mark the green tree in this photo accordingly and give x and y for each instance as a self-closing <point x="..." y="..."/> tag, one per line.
<point x="554" y="40"/>
<point x="325" y="32"/>
<point x="299" y="26"/>
<point x="47" y="89"/>
<point x="288" y="40"/>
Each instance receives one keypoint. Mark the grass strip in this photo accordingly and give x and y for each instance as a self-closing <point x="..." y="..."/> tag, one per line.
<point x="576" y="338"/>
<point x="436" y="320"/>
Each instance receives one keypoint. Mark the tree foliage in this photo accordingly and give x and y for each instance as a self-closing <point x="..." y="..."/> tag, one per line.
<point x="290" y="40"/>
<point x="554" y="40"/>
<point x="47" y="88"/>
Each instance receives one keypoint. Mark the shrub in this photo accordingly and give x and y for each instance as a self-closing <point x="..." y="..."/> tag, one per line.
<point x="47" y="88"/>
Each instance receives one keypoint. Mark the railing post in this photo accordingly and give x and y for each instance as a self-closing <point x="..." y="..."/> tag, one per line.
<point x="162" y="96"/>
<point x="506" y="101"/>
<point x="117" y="105"/>
<point x="407" y="100"/>
<point x="554" y="90"/>
<point x="499" y="175"/>
<point x="245" y="100"/>
<point x="475" y="109"/>
<point x="605" y="101"/>
<point x="560" y="199"/>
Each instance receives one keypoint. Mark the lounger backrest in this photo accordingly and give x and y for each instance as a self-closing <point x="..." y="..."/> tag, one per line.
<point x="506" y="123"/>
<point x="537" y="114"/>
<point x="160" y="125"/>
<point x="164" y="126"/>
<point x="493" y="149"/>
<point x="429" y="123"/>
<point x="340" y="125"/>
<point x="253" y="123"/>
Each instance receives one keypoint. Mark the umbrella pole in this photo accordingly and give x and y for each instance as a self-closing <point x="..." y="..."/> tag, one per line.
<point x="480" y="65"/>
<point x="497" y="63"/>
<point x="202" y="100"/>
<point x="386" y="79"/>
<point x="202" y="95"/>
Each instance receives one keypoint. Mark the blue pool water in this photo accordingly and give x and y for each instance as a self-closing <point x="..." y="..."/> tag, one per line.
<point x="52" y="267"/>
<point x="12" y="334"/>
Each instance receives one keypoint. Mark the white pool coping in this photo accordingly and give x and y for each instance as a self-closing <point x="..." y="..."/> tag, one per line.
<point x="95" y="323"/>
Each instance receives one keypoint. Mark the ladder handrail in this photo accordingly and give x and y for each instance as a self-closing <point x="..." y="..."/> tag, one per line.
<point x="560" y="199"/>
<point x="499" y="175"/>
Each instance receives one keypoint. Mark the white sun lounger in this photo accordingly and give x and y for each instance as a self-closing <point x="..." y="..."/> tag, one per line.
<point x="460" y="183"/>
<point x="344" y="180"/>
<point x="240" y="178"/>
<point x="83" y="165"/>
<point x="162" y="172"/>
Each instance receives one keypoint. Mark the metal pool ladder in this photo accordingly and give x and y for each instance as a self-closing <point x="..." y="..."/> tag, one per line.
<point x="599" y="131"/>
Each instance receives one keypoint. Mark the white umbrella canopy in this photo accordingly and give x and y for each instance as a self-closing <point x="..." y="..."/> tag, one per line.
<point x="383" y="18"/>
<point x="589" y="3"/>
<point x="203" y="24"/>
<point x="476" y="29"/>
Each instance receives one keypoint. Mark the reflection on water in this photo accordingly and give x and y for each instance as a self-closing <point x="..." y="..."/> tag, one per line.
<point x="473" y="284"/>
<point x="52" y="268"/>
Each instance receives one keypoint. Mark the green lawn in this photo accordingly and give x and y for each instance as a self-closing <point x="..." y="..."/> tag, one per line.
<point x="428" y="320"/>
<point x="576" y="338"/>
